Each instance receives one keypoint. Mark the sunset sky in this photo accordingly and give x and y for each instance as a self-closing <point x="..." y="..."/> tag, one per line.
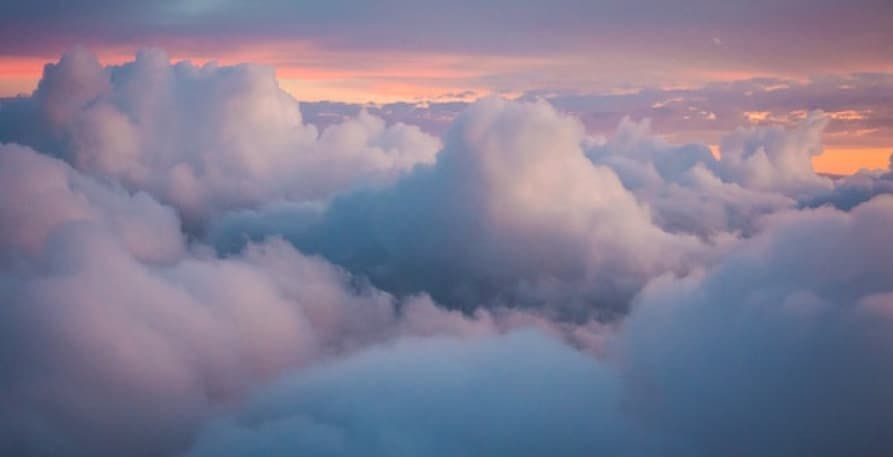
<point x="704" y="66"/>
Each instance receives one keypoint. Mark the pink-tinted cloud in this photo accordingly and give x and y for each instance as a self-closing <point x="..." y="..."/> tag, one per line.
<point x="190" y="267"/>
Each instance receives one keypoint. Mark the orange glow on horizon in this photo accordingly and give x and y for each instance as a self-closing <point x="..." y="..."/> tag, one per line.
<point x="846" y="161"/>
<point x="310" y="74"/>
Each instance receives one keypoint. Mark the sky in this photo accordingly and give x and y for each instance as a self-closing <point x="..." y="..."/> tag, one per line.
<point x="634" y="229"/>
<point x="581" y="52"/>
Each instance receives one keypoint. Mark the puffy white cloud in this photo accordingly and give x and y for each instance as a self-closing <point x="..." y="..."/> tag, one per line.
<point x="772" y="159"/>
<point x="757" y="326"/>
<point x="511" y="212"/>
<point x="211" y="138"/>
<point x="776" y="350"/>
<point x="112" y="327"/>
<point x="40" y="194"/>
<point x="536" y="223"/>
<point x="683" y="184"/>
<point x="119" y="338"/>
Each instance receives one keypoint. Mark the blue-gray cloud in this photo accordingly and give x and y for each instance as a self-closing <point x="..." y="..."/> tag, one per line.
<point x="771" y="352"/>
<point x="436" y="398"/>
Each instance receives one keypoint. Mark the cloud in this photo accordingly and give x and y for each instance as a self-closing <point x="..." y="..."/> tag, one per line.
<point x="547" y="214"/>
<point x="434" y="397"/>
<point x="857" y="105"/>
<point x="41" y="194"/>
<point x="525" y="289"/>
<point x="855" y="189"/>
<point x="512" y="211"/>
<point x="781" y="349"/>
<point x="207" y="139"/>
<point x="769" y="158"/>
<point x="113" y="328"/>
<point x="687" y="188"/>
<point x="772" y="351"/>
<point x="122" y="338"/>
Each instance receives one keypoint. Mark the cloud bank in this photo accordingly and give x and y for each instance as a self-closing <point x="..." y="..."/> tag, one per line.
<point x="857" y="106"/>
<point x="187" y="268"/>
<point x="120" y="337"/>
<point x="207" y="139"/>
<point x="512" y="211"/>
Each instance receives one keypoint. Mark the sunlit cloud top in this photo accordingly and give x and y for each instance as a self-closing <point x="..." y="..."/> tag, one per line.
<point x="437" y="51"/>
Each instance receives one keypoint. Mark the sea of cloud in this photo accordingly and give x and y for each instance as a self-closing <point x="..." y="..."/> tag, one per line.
<point x="187" y="268"/>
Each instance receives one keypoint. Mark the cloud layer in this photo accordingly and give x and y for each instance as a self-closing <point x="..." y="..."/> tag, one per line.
<point x="188" y="268"/>
<point x="512" y="211"/>
<point x="207" y="139"/>
<point x="857" y="105"/>
<point x="120" y="338"/>
<point x="769" y="352"/>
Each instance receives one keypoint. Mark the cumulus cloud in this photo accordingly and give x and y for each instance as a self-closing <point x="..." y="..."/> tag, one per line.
<point x="111" y="327"/>
<point x="188" y="268"/>
<point x="210" y="138"/>
<point x="687" y="188"/>
<point x="773" y="351"/>
<point x="781" y="349"/>
<point x="120" y="337"/>
<point x="858" y="107"/>
<point x="435" y="397"/>
<point x="512" y="211"/>
<point x="772" y="159"/>
<point x="41" y="193"/>
<point x="539" y="223"/>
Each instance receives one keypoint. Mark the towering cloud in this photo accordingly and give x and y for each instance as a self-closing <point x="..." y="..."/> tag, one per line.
<point x="511" y="212"/>
<point x="538" y="223"/>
